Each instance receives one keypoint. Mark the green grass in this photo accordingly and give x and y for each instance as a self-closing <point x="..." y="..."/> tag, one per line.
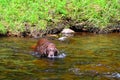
<point x="15" y="13"/>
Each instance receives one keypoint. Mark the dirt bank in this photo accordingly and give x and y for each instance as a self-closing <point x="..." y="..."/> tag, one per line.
<point x="56" y="28"/>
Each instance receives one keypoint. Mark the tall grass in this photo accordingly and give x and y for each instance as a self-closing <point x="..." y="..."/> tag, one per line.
<point x="14" y="13"/>
<point x="98" y="12"/>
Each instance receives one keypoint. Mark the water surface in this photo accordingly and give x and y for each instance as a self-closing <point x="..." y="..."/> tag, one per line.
<point x="89" y="57"/>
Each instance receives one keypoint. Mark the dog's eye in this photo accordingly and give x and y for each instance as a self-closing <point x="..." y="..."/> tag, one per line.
<point x="51" y="49"/>
<point x="55" y="54"/>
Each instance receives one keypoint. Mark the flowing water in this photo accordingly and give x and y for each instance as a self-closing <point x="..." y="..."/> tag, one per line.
<point x="89" y="57"/>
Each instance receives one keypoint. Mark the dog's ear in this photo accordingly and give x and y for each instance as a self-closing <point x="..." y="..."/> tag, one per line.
<point x="56" y="51"/>
<point x="45" y="51"/>
<point x="38" y="48"/>
<point x="42" y="50"/>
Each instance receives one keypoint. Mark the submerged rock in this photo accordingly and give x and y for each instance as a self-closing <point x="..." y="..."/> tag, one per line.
<point x="62" y="38"/>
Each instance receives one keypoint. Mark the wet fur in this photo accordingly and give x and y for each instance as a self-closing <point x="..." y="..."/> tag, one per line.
<point x="46" y="48"/>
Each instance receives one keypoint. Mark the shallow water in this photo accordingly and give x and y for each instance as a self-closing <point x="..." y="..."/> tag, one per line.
<point x="89" y="57"/>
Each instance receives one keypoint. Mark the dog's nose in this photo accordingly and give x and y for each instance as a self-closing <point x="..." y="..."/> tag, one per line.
<point x="51" y="55"/>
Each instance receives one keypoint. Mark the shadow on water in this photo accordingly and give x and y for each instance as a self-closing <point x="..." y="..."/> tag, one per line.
<point x="89" y="57"/>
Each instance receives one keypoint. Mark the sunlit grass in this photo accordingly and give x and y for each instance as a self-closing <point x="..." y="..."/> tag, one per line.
<point x="14" y="13"/>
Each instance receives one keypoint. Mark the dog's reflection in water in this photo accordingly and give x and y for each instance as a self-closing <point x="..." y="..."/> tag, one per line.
<point x="60" y="55"/>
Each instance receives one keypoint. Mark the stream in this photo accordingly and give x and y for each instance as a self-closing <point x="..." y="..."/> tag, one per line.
<point x="88" y="57"/>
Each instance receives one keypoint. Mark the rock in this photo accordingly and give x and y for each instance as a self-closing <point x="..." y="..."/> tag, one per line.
<point x="67" y="31"/>
<point x="62" y="38"/>
<point x="68" y="35"/>
<point x="78" y="27"/>
<point x="54" y="31"/>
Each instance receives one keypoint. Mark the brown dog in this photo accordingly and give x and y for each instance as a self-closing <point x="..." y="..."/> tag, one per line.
<point x="46" y="48"/>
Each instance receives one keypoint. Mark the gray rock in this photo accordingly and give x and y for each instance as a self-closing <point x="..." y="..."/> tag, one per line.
<point x="67" y="31"/>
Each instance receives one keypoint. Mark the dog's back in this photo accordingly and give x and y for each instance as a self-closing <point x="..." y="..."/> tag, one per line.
<point x="42" y="41"/>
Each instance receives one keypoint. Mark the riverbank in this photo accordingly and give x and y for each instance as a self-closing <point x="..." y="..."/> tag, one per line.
<point x="57" y="28"/>
<point x="36" y="18"/>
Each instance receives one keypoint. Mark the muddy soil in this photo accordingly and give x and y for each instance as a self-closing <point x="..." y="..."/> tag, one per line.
<point x="56" y="28"/>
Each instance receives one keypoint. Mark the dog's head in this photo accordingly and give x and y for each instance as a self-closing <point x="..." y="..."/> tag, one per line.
<point x="51" y="51"/>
